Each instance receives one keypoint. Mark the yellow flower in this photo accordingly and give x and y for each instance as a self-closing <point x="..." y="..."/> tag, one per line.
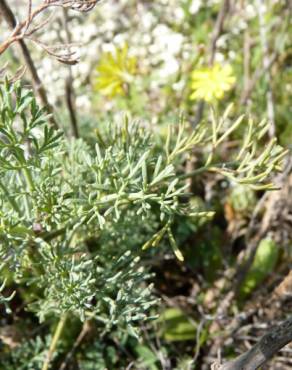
<point x="212" y="82"/>
<point x="115" y="72"/>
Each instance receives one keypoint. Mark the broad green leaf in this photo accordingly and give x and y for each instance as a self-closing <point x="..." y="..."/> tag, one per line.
<point x="147" y="358"/>
<point x="177" y="326"/>
<point x="264" y="263"/>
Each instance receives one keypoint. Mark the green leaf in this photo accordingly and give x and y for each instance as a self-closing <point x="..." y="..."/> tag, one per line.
<point x="177" y="326"/>
<point x="147" y="357"/>
<point x="264" y="263"/>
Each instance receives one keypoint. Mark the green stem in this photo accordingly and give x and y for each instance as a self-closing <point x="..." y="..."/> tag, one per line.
<point x="53" y="345"/>
<point x="10" y="198"/>
<point x="48" y="236"/>
<point x="30" y="184"/>
<point x="210" y="168"/>
<point x="28" y="179"/>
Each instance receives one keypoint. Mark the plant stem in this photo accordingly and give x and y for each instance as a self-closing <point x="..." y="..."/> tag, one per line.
<point x="54" y="342"/>
<point x="29" y="182"/>
<point x="10" y="19"/>
<point x="69" y="86"/>
<point x="266" y="61"/>
<point x="10" y="199"/>
<point x="264" y="349"/>
<point x="28" y="179"/>
<point x="211" y="167"/>
<point x="85" y="329"/>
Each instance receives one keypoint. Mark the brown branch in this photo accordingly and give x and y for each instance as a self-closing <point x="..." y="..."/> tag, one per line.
<point x="224" y="10"/>
<point x="11" y="79"/>
<point x="80" y="5"/>
<point x="84" y="331"/>
<point x="9" y="17"/>
<point x="24" y="29"/>
<point x="69" y="87"/>
<point x="264" y="350"/>
<point x="70" y="101"/>
<point x="265" y="64"/>
<point x="264" y="69"/>
<point x="218" y="29"/>
<point x="246" y="58"/>
<point x="259" y="72"/>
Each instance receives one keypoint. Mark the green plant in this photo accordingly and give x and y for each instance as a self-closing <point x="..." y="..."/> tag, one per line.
<point x="29" y="355"/>
<point x="73" y="217"/>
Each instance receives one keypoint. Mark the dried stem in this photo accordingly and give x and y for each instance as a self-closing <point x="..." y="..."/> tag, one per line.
<point x="259" y="72"/>
<point x="69" y="88"/>
<point x="218" y="29"/>
<point x="224" y="10"/>
<point x="84" y="331"/>
<point x="9" y="17"/>
<point x="264" y="350"/>
<point x="212" y="51"/>
<point x="266" y="62"/>
<point x="25" y="29"/>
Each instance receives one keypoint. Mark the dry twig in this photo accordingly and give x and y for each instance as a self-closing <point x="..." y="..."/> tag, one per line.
<point x="264" y="350"/>
<point x="266" y="62"/>
<point x="69" y="86"/>
<point x="26" y="29"/>
<point x="10" y="19"/>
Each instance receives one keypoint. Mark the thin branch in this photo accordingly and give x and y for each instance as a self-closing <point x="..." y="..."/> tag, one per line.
<point x="218" y="29"/>
<point x="9" y="17"/>
<point x="266" y="61"/>
<point x="224" y="10"/>
<point x="246" y="58"/>
<point x="264" y="350"/>
<point x="259" y="72"/>
<point x="270" y="58"/>
<point x="20" y="30"/>
<point x="69" y="87"/>
<point x="24" y="29"/>
<point x="84" y="331"/>
<point x="55" y="339"/>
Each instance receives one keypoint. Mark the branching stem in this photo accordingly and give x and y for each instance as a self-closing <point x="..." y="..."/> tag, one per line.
<point x="211" y="168"/>
<point x="53" y="345"/>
